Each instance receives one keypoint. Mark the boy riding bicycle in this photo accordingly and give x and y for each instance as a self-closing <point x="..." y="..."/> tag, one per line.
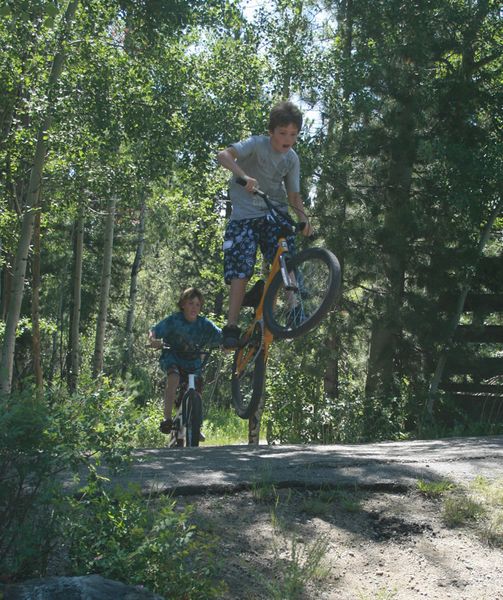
<point x="271" y="164"/>
<point x="185" y="332"/>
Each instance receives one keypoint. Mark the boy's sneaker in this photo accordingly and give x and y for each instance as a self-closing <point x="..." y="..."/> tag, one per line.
<point x="231" y="335"/>
<point x="166" y="426"/>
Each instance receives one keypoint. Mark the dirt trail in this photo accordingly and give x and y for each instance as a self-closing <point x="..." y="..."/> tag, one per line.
<point x="374" y="546"/>
<point x="342" y="522"/>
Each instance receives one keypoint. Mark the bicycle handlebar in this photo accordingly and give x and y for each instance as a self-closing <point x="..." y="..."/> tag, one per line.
<point x="189" y="354"/>
<point x="196" y="352"/>
<point x="297" y="226"/>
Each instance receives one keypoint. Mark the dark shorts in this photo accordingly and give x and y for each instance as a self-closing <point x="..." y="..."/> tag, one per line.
<point x="243" y="237"/>
<point x="170" y="362"/>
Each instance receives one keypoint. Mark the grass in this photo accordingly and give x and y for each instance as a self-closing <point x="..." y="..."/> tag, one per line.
<point x="222" y="427"/>
<point x="263" y="489"/>
<point x="322" y="502"/>
<point x="304" y="565"/>
<point x="297" y="563"/>
<point x="265" y="492"/>
<point x="478" y="505"/>
<point x="492" y="531"/>
<point x="460" y="509"/>
<point x="434" y="489"/>
<point x="490" y="496"/>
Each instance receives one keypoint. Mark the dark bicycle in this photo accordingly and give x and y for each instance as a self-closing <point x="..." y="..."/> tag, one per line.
<point x="186" y="428"/>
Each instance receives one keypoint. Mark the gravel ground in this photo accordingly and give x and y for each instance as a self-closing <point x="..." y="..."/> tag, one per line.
<point x="346" y="545"/>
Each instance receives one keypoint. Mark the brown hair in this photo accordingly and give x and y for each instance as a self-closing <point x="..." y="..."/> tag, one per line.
<point x="189" y="294"/>
<point x="283" y="114"/>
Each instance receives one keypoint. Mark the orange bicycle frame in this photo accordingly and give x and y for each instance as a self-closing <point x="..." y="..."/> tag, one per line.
<point x="248" y="352"/>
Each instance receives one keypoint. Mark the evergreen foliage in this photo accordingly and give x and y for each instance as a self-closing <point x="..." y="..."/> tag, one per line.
<point x="401" y="165"/>
<point x="125" y="104"/>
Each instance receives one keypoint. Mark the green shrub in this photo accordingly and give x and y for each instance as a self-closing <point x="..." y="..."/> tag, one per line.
<point x="222" y="426"/>
<point x="123" y="536"/>
<point x="32" y="451"/>
<point x="117" y="533"/>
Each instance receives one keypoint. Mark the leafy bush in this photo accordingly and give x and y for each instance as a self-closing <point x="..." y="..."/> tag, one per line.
<point x="222" y="426"/>
<point x="299" y="411"/>
<point x="121" y="535"/>
<point x="117" y="533"/>
<point x="32" y="452"/>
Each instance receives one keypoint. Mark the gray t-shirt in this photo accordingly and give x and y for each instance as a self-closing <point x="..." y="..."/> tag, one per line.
<point x="276" y="172"/>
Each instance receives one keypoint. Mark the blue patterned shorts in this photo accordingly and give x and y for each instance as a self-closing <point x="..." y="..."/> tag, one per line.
<point x="243" y="237"/>
<point x="170" y="362"/>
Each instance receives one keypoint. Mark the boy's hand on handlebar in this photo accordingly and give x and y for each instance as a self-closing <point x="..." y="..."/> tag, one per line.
<point x="251" y="184"/>
<point x="154" y="342"/>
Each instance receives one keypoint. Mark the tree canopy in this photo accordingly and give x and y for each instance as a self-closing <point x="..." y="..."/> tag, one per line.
<point x="111" y="116"/>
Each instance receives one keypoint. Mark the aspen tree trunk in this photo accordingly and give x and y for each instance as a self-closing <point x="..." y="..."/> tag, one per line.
<point x="28" y="221"/>
<point x="55" y="338"/>
<point x="106" y="276"/>
<point x="35" y="305"/>
<point x="6" y="286"/>
<point x="133" y="289"/>
<point x="74" y="345"/>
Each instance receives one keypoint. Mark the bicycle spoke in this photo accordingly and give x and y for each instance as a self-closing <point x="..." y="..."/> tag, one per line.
<point x="247" y="379"/>
<point x="315" y="272"/>
<point x="292" y="308"/>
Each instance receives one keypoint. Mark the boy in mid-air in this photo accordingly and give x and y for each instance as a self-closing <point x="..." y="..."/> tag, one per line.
<point x="270" y="163"/>
<point x="185" y="332"/>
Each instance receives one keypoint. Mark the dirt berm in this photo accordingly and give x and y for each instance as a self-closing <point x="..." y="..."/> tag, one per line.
<point x="343" y="522"/>
<point x="381" y="466"/>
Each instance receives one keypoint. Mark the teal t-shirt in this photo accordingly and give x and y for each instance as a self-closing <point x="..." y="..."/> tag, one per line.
<point x="185" y="338"/>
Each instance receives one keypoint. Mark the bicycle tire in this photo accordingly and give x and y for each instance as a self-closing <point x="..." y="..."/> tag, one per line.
<point x="174" y="438"/>
<point x="289" y="314"/>
<point x="193" y="416"/>
<point x="247" y="383"/>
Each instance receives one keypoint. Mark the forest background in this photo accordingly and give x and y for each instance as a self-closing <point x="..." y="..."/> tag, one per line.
<point x="111" y="203"/>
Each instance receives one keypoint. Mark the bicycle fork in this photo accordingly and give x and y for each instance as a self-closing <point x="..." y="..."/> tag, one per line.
<point x="187" y="408"/>
<point x="288" y="280"/>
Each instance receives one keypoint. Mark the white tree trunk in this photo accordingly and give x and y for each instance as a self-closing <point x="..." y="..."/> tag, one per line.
<point x="35" y="305"/>
<point x="28" y="220"/>
<point x="74" y="349"/>
<point x="106" y="275"/>
<point x="133" y="289"/>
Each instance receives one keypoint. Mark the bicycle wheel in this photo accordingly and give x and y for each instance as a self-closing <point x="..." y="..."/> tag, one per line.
<point x="317" y="274"/>
<point x="248" y="373"/>
<point x="192" y="417"/>
<point x="176" y="437"/>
